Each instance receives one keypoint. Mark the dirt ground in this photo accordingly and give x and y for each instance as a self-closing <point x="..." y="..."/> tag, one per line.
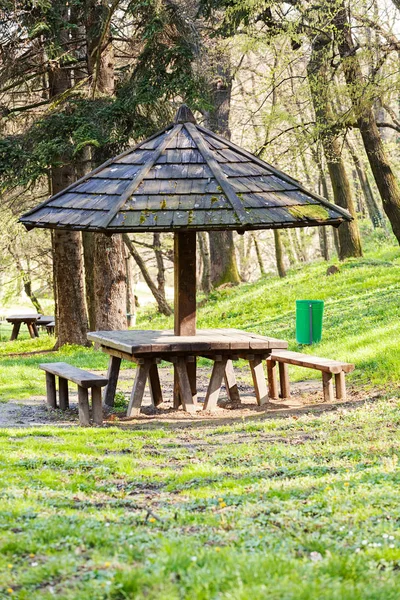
<point x="306" y="396"/>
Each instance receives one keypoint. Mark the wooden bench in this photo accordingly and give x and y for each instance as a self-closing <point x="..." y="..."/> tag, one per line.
<point x="326" y="365"/>
<point x="84" y="381"/>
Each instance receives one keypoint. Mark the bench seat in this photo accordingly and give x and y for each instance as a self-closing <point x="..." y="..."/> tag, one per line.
<point x="84" y="381"/>
<point x="327" y="366"/>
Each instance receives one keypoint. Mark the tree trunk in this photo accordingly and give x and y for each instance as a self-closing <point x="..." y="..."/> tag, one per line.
<point x="205" y="256"/>
<point x="130" y="291"/>
<point x="71" y="319"/>
<point x="372" y="206"/>
<point x="349" y="235"/>
<point x="222" y="249"/>
<point x="279" y="253"/>
<point x="109" y="272"/>
<point x="110" y="283"/>
<point x="223" y="259"/>
<point x="88" y="240"/>
<point x="162" y="303"/>
<point x="258" y="254"/>
<point x="385" y="179"/>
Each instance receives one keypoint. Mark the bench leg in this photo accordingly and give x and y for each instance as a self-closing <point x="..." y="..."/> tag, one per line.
<point x="260" y="385"/>
<point x="112" y="376"/>
<point x="135" y="402"/>
<point x="340" y="385"/>
<point x="97" y="408"/>
<point x="155" y="386"/>
<point x="185" y="390"/>
<point x="214" y="386"/>
<point x="15" y="331"/>
<point x="284" y="380"/>
<point x="63" y="393"/>
<point x="51" y="390"/>
<point x="327" y="385"/>
<point x="230" y="383"/>
<point x="83" y="406"/>
<point x="272" y="379"/>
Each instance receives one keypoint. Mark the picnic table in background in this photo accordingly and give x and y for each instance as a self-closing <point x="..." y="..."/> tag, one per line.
<point x="147" y="348"/>
<point x="31" y="321"/>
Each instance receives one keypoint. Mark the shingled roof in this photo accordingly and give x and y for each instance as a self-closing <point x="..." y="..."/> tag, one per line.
<point x="184" y="177"/>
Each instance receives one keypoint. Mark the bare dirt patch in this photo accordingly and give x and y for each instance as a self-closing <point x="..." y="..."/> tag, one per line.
<point x="306" y="396"/>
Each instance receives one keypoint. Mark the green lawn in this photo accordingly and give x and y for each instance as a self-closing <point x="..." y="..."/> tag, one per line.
<point x="299" y="508"/>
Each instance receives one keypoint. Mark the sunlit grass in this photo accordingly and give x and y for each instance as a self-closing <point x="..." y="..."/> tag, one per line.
<point x="292" y="508"/>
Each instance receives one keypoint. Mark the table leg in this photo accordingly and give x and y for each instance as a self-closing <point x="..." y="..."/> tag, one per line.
<point x="188" y="400"/>
<point x="114" y="365"/>
<point x="15" y="331"/>
<point x="31" y="330"/>
<point x="230" y="383"/>
<point x="214" y="386"/>
<point x="177" y="396"/>
<point x="138" y="388"/>
<point x="260" y="385"/>
<point x="35" y="329"/>
<point x="155" y="387"/>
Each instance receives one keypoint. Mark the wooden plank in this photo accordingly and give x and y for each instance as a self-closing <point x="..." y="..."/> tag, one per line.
<point x="51" y="390"/>
<point x="218" y="173"/>
<point x="185" y="391"/>
<point x="114" y="365"/>
<point x="139" y="385"/>
<point x="97" y="409"/>
<point x="63" y="399"/>
<point x="79" y="376"/>
<point x="154" y="384"/>
<point x="327" y="385"/>
<point x="83" y="406"/>
<point x="340" y="385"/>
<point x="260" y="386"/>
<point x="230" y="383"/>
<point x="284" y="380"/>
<point x="312" y="362"/>
<point x="214" y="387"/>
<point x="140" y="175"/>
<point x="272" y="379"/>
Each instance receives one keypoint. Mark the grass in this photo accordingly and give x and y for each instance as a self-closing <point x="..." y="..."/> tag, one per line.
<point x="293" y="508"/>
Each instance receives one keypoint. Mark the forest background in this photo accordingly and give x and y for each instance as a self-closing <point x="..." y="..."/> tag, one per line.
<point x="312" y="88"/>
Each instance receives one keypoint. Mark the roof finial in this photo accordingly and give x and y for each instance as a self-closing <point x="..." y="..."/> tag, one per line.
<point x="184" y="115"/>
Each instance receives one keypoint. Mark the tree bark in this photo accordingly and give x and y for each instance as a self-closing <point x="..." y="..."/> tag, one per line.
<point x="222" y="249"/>
<point x="349" y="235"/>
<point x="385" y="179"/>
<point x="223" y="258"/>
<point x="205" y="256"/>
<point x="372" y="206"/>
<point x="162" y="304"/>
<point x="279" y="253"/>
<point x="258" y="254"/>
<point x="71" y="319"/>
<point x="109" y="272"/>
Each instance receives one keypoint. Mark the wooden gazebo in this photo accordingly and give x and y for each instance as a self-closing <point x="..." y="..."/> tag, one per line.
<point x="184" y="179"/>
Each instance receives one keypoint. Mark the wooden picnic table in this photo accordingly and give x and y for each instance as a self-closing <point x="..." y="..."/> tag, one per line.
<point x="147" y="348"/>
<point x="30" y="322"/>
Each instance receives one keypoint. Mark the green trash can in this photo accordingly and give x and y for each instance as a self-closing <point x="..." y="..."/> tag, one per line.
<point x="309" y="315"/>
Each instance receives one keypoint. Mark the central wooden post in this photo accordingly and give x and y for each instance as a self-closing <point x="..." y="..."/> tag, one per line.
<point x="185" y="296"/>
